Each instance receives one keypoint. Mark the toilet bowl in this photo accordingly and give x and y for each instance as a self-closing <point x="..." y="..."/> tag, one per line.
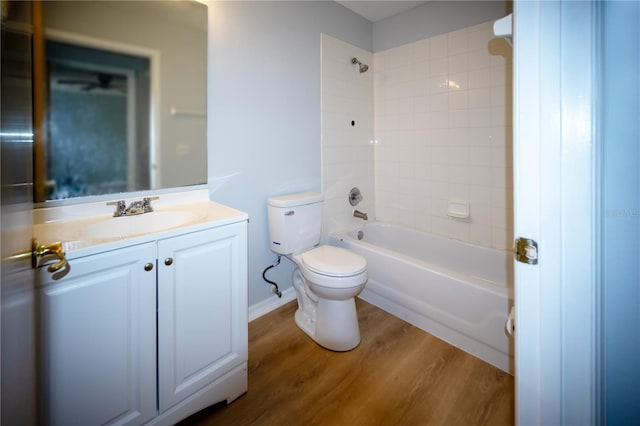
<point x="326" y="280"/>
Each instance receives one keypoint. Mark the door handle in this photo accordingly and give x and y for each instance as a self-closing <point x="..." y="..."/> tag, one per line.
<point x="40" y="251"/>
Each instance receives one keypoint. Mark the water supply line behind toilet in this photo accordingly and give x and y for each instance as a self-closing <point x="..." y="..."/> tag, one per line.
<point x="272" y="285"/>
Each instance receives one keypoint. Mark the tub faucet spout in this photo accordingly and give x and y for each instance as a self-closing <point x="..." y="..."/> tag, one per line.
<point x="360" y="215"/>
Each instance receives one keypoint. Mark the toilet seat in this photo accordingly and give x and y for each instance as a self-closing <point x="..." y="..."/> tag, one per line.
<point x="333" y="267"/>
<point x="334" y="261"/>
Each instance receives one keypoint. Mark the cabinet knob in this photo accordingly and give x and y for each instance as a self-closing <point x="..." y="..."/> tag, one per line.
<point x="168" y="261"/>
<point x="148" y="267"/>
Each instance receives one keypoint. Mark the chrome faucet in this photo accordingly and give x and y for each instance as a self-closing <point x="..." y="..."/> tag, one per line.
<point x="146" y="204"/>
<point x="360" y="215"/>
<point x="135" y="208"/>
<point x="121" y="208"/>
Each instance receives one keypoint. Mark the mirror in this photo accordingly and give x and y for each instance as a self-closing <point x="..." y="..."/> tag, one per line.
<point x="124" y="97"/>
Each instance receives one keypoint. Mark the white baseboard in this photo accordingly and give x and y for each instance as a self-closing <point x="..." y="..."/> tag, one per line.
<point x="274" y="302"/>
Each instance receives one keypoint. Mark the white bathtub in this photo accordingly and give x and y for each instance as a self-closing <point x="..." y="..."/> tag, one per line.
<point x="458" y="292"/>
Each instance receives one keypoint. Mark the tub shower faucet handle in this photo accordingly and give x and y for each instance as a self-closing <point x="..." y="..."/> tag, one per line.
<point x="355" y="196"/>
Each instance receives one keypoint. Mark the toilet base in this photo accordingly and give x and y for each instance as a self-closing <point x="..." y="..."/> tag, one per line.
<point x="335" y="327"/>
<point x="332" y="324"/>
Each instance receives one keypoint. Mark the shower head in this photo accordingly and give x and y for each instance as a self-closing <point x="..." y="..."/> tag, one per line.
<point x="363" y="67"/>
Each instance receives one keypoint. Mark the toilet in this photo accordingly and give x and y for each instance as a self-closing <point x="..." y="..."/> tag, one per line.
<point x="326" y="279"/>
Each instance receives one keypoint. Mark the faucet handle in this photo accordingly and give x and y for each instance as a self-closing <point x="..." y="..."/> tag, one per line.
<point x="355" y="196"/>
<point x="146" y="204"/>
<point x="121" y="208"/>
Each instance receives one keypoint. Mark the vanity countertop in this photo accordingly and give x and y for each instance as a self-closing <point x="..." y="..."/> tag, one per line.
<point x="87" y="229"/>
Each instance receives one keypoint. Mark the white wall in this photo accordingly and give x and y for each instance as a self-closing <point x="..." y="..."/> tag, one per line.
<point x="264" y="129"/>
<point x="443" y="132"/>
<point x="347" y="134"/>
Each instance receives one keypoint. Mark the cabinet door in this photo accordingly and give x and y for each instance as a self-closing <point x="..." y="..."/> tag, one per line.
<point x="202" y="309"/>
<point x="98" y="331"/>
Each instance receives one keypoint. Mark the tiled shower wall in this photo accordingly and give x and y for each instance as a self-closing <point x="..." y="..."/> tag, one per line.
<point x="440" y="110"/>
<point x="443" y="132"/>
<point x="347" y="134"/>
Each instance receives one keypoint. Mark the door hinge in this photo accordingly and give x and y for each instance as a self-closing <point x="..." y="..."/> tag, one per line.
<point x="526" y="250"/>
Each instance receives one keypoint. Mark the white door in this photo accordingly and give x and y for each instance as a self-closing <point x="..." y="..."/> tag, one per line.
<point x="202" y="310"/>
<point x="555" y="205"/>
<point x="17" y="315"/>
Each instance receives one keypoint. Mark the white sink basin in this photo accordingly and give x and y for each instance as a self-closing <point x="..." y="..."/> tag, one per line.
<point x="128" y="226"/>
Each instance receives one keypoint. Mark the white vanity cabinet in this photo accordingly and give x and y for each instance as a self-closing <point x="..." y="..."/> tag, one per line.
<point x="149" y="333"/>
<point x="202" y="314"/>
<point x="98" y="339"/>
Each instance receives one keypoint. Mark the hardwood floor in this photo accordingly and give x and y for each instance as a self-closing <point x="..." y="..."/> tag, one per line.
<point x="399" y="375"/>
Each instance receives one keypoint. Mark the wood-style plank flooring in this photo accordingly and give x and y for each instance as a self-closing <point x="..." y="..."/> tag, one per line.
<point x="399" y="375"/>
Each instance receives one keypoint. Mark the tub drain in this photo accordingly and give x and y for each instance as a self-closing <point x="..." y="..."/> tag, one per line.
<point x="360" y="235"/>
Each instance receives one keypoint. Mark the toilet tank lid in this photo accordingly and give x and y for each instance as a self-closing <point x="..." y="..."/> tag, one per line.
<point x="293" y="200"/>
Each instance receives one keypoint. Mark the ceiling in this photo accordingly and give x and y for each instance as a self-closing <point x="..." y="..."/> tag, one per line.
<point x="377" y="10"/>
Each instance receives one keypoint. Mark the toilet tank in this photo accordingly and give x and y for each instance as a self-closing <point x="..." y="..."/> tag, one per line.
<point x="295" y="222"/>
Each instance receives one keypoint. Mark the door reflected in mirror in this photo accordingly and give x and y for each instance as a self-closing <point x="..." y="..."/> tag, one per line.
<point x="125" y="97"/>
<point x="99" y="103"/>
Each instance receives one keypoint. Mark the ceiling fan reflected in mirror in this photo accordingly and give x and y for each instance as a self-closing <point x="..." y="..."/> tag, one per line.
<point x="102" y="81"/>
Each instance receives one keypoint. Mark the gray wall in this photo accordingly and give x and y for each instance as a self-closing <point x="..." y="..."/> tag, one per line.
<point x="264" y="128"/>
<point x="434" y="18"/>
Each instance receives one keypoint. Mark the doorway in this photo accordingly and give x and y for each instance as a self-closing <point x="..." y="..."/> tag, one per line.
<point x="98" y="111"/>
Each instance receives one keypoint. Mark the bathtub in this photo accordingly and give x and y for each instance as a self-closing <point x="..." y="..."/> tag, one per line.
<point x="458" y="292"/>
